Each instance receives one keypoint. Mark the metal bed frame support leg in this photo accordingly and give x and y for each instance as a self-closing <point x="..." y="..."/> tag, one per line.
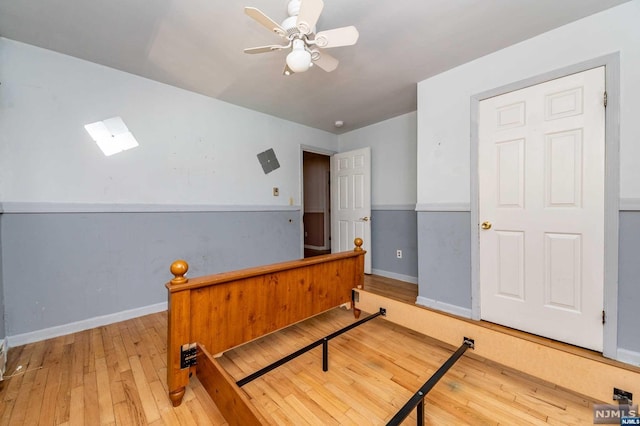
<point x="325" y="354"/>
<point x="420" y="413"/>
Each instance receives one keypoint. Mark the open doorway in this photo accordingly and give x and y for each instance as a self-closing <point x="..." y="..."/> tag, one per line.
<point x="317" y="203"/>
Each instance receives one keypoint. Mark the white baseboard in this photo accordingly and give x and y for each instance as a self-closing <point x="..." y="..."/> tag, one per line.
<point x="74" y="327"/>
<point x="629" y="357"/>
<point x="444" y="307"/>
<point x="392" y="275"/>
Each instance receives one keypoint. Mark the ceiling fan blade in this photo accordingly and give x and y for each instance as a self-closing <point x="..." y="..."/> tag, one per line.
<point x="326" y="62"/>
<point x="265" y="21"/>
<point x="264" y="49"/>
<point x="310" y="11"/>
<point x="345" y="36"/>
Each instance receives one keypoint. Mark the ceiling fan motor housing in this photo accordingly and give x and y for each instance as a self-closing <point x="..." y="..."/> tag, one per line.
<point x="289" y="25"/>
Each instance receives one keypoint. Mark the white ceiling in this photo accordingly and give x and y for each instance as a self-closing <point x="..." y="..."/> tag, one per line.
<point x="197" y="45"/>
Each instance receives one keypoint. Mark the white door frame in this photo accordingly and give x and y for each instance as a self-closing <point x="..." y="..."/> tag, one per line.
<point x="612" y="187"/>
<point x="315" y="150"/>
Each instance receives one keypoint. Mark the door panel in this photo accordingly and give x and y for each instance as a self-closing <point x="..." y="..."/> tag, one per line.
<point x="563" y="266"/>
<point x="511" y="267"/>
<point x="351" y="192"/>
<point x="541" y="185"/>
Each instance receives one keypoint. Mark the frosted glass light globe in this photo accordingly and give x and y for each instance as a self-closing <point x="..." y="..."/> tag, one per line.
<point x="299" y="59"/>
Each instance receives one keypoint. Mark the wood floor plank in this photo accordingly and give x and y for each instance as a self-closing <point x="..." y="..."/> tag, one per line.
<point x="332" y="404"/>
<point x="129" y="336"/>
<point x="36" y="396"/>
<point x="124" y="415"/>
<point x="91" y="405"/>
<point x="55" y="365"/>
<point x="147" y="400"/>
<point x="116" y="387"/>
<point x="135" y="410"/>
<point x="105" y="402"/>
<point x="184" y="415"/>
<point x="63" y="400"/>
<point x="97" y="343"/>
<point x="121" y="354"/>
<point x="80" y="351"/>
<point x="198" y="413"/>
<point x="76" y="404"/>
<point x="22" y="401"/>
<point x="164" y="405"/>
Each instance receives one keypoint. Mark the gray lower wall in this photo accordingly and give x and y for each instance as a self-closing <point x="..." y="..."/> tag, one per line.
<point x="58" y="268"/>
<point x="393" y="230"/>
<point x="444" y="266"/>
<point x="444" y="263"/>
<point x="61" y="268"/>
<point x="629" y="282"/>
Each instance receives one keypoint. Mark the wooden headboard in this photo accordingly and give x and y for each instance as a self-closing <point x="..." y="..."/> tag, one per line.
<point x="221" y="311"/>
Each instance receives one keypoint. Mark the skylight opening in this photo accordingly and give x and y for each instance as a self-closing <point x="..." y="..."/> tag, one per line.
<point x="111" y="135"/>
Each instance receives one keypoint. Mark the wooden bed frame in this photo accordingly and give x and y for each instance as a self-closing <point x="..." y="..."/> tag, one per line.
<point x="211" y="314"/>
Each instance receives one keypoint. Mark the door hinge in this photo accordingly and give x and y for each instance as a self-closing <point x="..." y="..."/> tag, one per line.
<point x="188" y="355"/>
<point x="605" y="99"/>
<point x="604" y="317"/>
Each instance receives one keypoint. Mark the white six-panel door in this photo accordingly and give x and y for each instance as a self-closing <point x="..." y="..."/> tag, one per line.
<point x="351" y="201"/>
<point x="541" y="209"/>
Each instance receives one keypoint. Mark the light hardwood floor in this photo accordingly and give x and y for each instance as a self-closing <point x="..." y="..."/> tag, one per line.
<point x="117" y="375"/>
<point x="376" y="368"/>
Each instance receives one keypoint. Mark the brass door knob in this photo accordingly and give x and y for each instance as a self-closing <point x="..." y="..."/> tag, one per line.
<point x="485" y="225"/>
<point x="365" y="219"/>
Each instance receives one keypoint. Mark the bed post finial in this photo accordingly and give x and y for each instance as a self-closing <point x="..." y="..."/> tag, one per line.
<point x="358" y="242"/>
<point x="179" y="268"/>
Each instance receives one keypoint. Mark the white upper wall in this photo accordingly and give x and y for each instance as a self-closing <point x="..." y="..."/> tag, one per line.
<point x="193" y="149"/>
<point x="444" y="100"/>
<point x="393" y="159"/>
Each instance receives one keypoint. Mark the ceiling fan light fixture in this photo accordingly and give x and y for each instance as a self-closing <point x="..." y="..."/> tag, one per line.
<point x="299" y="59"/>
<point x="307" y="46"/>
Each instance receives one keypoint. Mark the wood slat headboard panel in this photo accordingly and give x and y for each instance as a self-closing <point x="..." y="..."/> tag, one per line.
<point x="225" y="310"/>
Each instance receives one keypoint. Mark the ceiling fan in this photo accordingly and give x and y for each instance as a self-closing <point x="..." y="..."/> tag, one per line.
<point x="299" y="30"/>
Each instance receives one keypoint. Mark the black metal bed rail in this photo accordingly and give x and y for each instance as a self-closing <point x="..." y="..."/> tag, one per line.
<point x="417" y="400"/>
<point x="325" y="350"/>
